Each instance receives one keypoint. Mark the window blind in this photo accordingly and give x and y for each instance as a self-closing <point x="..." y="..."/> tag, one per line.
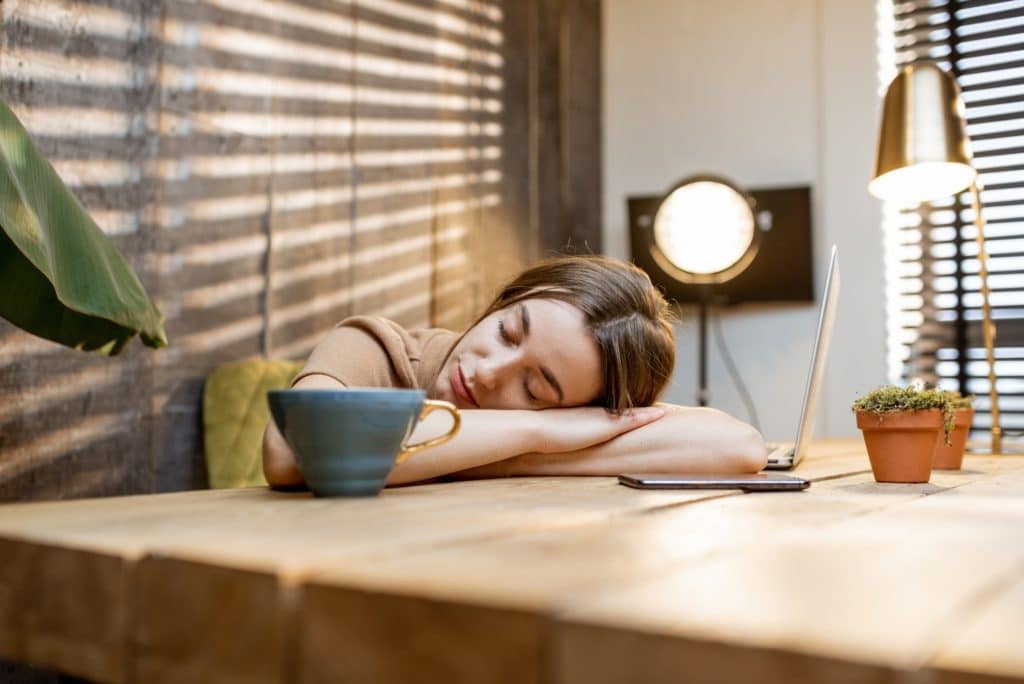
<point x="934" y="290"/>
<point x="269" y="167"/>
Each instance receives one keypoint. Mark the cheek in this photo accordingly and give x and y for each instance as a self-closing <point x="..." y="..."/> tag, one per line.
<point x="442" y="385"/>
<point x="438" y="389"/>
<point x="588" y="381"/>
<point x="506" y="394"/>
<point x="479" y="340"/>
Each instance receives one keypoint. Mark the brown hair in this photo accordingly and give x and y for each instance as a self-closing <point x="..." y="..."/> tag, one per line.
<point x="626" y="315"/>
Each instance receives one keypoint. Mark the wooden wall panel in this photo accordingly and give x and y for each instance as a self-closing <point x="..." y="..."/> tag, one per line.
<point x="271" y="167"/>
<point x="73" y="425"/>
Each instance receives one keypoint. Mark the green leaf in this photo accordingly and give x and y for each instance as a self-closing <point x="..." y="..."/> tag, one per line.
<point x="62" y="278"/>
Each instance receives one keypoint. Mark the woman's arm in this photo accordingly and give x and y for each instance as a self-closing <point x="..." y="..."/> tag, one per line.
<point x="486" y="436"/>
<point x="686" y="440"/>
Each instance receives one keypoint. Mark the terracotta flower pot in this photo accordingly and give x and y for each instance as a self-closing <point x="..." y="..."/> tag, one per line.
<point x="900" y="444"/>
<point x="952" y="457"/>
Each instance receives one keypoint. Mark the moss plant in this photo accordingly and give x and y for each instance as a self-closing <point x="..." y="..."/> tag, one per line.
<point x="890" y="399"/>
<point x="960" y="402"/>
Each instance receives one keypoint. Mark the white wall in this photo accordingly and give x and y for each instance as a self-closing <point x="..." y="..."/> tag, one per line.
<point x="767" y="93"/>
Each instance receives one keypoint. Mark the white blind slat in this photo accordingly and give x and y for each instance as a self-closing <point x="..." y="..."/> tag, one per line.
<point x="934" y="295"/>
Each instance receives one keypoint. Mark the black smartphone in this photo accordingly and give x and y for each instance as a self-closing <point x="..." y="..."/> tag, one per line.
<point x="756" y="482"/>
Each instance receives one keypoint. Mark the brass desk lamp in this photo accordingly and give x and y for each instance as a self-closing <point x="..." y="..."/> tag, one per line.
<point x="924" y="154"/>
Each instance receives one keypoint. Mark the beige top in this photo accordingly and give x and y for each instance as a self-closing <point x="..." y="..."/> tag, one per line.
<point x="367" y="351"/>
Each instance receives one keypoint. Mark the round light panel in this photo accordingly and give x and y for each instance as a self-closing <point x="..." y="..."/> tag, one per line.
<point x="705" y="230"/>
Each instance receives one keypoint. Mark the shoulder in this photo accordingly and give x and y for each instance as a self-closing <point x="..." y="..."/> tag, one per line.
<point x="399" y="342"/>
<point x="370" y="351"/>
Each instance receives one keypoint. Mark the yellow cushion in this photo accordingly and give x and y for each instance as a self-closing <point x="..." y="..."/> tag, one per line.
<point x="235" y="413"/>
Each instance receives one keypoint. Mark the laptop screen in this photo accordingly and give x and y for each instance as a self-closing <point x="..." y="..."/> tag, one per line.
<point x="826" y="319"/>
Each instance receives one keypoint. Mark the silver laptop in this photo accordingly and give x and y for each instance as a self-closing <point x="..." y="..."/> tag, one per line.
<point x="786" y="456"/>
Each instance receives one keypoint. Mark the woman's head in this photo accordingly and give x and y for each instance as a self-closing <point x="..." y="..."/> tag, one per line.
<point x="581" y="330"/>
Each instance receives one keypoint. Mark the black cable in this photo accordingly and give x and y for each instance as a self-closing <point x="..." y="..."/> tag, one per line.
<point x="736" y="379"/>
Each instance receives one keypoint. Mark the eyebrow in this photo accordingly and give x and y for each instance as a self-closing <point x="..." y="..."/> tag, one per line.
<point x="524" y="319"/>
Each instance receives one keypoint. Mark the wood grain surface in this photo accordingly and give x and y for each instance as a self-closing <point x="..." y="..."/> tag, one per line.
<point x="530" y="580"/>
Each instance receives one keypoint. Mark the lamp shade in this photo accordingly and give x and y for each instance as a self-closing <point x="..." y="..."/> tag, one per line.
<point x="923" y="149"/>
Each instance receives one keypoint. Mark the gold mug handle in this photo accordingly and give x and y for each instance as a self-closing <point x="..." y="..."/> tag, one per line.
<point x="429" y="406"/>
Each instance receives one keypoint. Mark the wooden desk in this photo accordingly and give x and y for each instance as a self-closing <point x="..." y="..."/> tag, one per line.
<point x="531" y="580"/>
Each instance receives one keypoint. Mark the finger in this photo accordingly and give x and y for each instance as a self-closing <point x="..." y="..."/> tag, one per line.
<point x="645" y="414"/>
<point x="638" y="417"/>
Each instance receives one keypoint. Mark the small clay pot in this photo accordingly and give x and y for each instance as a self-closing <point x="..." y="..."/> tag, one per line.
<point x="901" y="443"/>
<point x="952" y="457"/>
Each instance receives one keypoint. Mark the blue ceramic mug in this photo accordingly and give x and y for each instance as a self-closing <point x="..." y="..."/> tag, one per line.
<point x="346" y="441"/>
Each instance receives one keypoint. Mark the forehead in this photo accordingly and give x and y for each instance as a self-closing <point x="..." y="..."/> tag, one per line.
<point x="560" y="341"/>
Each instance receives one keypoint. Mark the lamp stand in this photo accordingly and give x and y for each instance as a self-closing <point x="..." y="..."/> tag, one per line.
<point x="702" y="357"/>
<point x="988" y="328"/>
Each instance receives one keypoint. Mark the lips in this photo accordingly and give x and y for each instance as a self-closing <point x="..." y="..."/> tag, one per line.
<point x="458" y="381"/>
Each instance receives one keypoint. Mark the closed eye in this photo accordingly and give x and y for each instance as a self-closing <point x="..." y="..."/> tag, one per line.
<point x="503" y="334"/>
<point x="529" y="395"/>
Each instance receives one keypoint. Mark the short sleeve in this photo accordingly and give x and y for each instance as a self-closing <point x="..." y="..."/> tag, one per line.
<point x="353" y="357"/>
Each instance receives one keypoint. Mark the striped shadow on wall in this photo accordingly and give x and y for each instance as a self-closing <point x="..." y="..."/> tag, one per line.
<point x="270" y="168"/>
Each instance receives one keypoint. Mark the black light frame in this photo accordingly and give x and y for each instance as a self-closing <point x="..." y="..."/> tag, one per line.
<point x="704" y="281"/>
<point x="717" y="277"/>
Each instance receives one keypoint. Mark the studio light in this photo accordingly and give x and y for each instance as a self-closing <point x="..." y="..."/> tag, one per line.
<point x="705" y="234"/>
<point x="704" y="231"/>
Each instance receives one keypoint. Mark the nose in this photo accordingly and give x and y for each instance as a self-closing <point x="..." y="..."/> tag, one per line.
<point x="491" y="370"/>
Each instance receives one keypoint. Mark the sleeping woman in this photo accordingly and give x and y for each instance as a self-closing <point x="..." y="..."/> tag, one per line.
<point x="559" y="376"/>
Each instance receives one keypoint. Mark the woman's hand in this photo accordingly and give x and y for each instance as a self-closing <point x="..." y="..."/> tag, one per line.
<point x="488" y="438"/>
<point x="562" y="430"/>
<point x="685" y="440"/>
